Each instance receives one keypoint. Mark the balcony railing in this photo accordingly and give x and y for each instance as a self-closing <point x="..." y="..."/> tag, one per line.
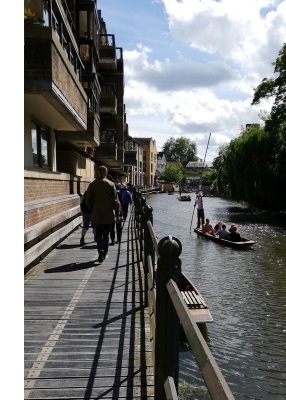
<point x="108" y="135"/>
<point x="108" y="99"/>
<point x="107" y="52"/>
<point x="60" y="19"/>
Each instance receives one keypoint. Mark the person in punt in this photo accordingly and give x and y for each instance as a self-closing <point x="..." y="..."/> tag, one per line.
<point x="217" y="227"/>
<point x="222" y="233"/>
<point x="234" y="235"/>
<point x="208" y="228"/>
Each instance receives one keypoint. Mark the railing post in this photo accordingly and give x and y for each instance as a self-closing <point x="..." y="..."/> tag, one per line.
<point x="148" y="244"/>
<point x="142" y="206"/>
<point x="167" y="337"/>
<point x="135" y="197"/>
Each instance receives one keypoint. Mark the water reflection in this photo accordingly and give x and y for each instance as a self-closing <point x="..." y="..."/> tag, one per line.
<point x="245" y="290"/>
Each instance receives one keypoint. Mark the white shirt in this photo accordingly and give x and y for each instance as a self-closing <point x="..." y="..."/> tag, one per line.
<point x="199" y="203"/>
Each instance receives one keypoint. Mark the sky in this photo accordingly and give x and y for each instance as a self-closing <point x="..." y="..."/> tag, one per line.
<point x="191" y="66"/>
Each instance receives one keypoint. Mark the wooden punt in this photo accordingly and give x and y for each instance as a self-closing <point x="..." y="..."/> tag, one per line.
<point x="244" y="243"/>
<point x="195" y="302"/>
<point x="184" y="198"/>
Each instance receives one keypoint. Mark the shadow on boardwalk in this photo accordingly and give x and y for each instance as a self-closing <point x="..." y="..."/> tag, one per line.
<point x="87" y="324"/>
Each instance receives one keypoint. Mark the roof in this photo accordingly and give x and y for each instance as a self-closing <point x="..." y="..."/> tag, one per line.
<point x="143" y="141"/>
<point x="200" y="164"/>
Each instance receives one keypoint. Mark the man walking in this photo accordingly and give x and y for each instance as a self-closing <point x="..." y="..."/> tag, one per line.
<point x="102" y="200"/>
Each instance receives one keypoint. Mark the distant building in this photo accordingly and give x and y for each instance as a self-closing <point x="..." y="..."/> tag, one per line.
<point x="194" y="172"/>
<point x="149" y="159"/>
<point x="161" y="164"/>
<point x="199" y="165"/>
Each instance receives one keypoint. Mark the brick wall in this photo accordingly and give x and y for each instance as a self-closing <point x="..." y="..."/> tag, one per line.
<point x="47" y="194"/>
<point x="36" y="213"/>
<point x="36" y="189"/>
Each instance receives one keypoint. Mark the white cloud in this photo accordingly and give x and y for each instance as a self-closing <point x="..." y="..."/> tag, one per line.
<point x="219" y="51"/>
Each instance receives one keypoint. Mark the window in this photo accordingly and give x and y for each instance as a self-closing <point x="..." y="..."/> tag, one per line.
<point x="40" y="146"/>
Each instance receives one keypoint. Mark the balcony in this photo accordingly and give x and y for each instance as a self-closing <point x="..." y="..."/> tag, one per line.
<point x="107" y="153"/>
<point x="108" y="99"/>
<point x="107" y="53"/>
<point x="81" y="139"/>
<point x="52" y="72"/>
<point x="130" y="157"/>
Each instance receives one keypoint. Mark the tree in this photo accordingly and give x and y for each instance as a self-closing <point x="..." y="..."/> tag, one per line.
<point x="173" y="172"/>
<point x="275" y="125"/>
<point x="180" y="149"/>
<point x="277" y="88"/>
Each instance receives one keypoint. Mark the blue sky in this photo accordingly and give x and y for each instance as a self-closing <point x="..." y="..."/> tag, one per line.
<point x="191" y="66"/>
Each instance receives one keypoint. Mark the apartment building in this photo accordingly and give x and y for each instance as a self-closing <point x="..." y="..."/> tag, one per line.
<point x="74" y="116"/>
<point x="149" y="160"/>
<point x="134" y="158"/>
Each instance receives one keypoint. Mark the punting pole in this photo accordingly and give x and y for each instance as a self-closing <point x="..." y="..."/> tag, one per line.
<point x="201" y="177"/>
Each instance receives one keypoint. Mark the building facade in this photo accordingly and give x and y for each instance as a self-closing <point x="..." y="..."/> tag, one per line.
<point x="74" y="116"/>
<point x="161" y="164"/>
<point x="149" y="160"/>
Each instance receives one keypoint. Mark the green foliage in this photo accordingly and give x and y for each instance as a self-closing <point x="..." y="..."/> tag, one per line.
<point x="180" y="149"/>
<point x="173" y="172"/>
<point x="275" y="88"/>
<point x="209" y="177"/>
<point x="252" y="167"/>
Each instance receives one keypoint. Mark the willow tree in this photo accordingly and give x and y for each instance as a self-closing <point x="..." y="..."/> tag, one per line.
<point x="274" y="87"/>
<point x="275" y="125"/>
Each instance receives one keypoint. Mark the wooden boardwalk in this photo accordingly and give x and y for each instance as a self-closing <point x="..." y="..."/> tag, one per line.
<point x="87" y="332"/>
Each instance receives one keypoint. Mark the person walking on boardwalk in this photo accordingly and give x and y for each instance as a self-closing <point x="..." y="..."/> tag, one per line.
<point x="118" y="224"/>
<point x="101" y="199"/>
<point x="86" y="218"/>
<point x="126" y="198"/>
<point x="200" y="210"/>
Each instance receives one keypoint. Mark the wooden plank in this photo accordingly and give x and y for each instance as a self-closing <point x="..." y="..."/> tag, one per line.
<point x="170" y="389"/>
<point x="185" y="297"/>
<point x="36" y="251"/>
<point x="44" y="226"/>
<point x="87" y="327"/>
<point x="191" y="298"/>
<point x="199" y="299"/>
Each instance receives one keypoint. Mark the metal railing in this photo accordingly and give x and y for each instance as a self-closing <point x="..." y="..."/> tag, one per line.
<point x="168" y="311"/>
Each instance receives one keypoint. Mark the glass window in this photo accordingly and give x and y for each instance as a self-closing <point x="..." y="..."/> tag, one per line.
<point x="44" y="136"/>
<point x="34" y="144"/>
<point x="40" y="145"/>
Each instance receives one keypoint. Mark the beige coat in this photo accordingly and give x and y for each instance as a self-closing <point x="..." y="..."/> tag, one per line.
<point x="101" y="199"/>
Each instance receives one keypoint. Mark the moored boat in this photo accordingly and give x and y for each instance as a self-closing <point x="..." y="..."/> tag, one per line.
<point x="184" y="198"/>
<point x="244" y="243"/>
<point x="195" y="302"/>
<point x="186" y="190"/>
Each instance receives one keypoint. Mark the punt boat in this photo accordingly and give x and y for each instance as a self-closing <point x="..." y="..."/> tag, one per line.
<point x="195" y="302"/>
<point x="184" y="198"/>
<point x="244" y="243"/>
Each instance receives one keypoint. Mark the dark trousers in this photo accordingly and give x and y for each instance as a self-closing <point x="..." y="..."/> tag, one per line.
<point x="102" y="237"/>
<point x="118" y="226"/>
<point x="125" y="210"/>
<point x="201" y="216"/>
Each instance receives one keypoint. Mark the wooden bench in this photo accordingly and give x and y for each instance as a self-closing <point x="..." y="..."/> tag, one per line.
<point x="40" y="238"/>
<point x="193" y="300"/>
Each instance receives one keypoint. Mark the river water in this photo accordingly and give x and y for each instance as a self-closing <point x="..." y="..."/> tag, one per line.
<point x="245" y="291"/>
